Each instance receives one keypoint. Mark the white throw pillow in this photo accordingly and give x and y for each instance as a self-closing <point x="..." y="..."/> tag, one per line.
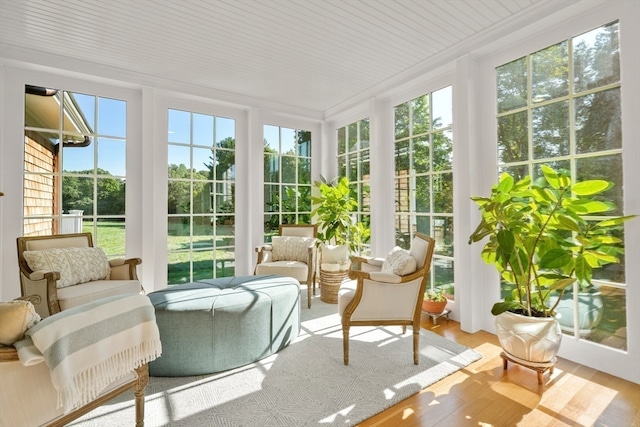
<point x="291" y="248"/>
<point x="335" y="254"/>
<point x="75" y="265"/>
<point x="399" y="262"/>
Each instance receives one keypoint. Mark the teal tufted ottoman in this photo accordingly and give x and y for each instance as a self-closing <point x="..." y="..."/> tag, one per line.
<point x="219" y="324"/>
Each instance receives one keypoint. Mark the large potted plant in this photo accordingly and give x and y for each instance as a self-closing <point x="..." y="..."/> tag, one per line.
<point x="338" y="234"/>
<point x="543" y="237"/>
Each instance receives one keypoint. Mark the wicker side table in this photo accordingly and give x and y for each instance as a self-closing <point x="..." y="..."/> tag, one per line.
<point x="330" y="284"/>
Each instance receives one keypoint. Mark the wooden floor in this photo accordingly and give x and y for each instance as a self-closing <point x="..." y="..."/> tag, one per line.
<point x="483" y="394"/>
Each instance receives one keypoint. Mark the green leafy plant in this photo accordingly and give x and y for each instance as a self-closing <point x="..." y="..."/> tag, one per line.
<point x="435" y="296"/>
<point x="334" y="210"/>
<point x="544" y="236"/>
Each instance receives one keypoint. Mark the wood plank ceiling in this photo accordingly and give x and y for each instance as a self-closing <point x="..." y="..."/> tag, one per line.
<point x="312" y="55"/>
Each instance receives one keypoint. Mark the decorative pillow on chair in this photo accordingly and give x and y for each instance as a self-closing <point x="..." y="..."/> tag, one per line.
<point x="15" y="318"/>
<point x="291" y="248"/>
<point x="399" y="262"/>
<point x="75" y="265"/>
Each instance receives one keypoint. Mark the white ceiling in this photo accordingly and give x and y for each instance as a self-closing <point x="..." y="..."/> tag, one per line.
<point x="315" y="55"/>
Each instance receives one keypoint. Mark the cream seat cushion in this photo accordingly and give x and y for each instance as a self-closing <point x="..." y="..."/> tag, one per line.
<point x="296" y="269"/>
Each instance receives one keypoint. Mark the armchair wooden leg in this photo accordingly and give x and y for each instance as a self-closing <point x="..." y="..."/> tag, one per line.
<point x="345" y="344"/>
<point x="416" y="346"/>
<point x="138" y="393"/>
<point x="309" y="295"/>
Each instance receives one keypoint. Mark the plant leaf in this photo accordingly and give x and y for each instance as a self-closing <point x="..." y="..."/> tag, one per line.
<point x="591" y="187"/>
<point x="555" y="258"/>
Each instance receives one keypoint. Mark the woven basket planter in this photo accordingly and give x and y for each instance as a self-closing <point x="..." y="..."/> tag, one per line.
<point x="330" y="284"/>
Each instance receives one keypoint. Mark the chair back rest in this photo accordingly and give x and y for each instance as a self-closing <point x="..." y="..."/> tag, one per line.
<point x="421" y="250"/>
<point x="299" y="230"/>
<point x="38" y="243"/>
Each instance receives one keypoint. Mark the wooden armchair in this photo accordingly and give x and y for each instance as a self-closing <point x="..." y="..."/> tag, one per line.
<point x="381" y="294"/>
<point x="29" y="396"/>
<point x="121" y="277"/>
<point x="292" y="254"/>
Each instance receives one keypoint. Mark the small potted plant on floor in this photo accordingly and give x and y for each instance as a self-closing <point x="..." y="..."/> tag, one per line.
<point x="543" y="237"/>
<point x="434" y="302"/>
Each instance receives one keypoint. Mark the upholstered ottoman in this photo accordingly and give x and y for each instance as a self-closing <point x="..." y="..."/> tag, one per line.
<point x="219" y="324"/>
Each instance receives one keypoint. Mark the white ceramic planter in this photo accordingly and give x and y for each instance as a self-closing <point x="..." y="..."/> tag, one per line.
<point x="532" y="340"/>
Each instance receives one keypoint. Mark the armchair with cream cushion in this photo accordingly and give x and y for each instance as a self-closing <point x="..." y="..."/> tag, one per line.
<point x="91" y="368"/>
<point x="65" y="270"/>
<point x="387" y="291"/>
<point x="292" y="254"/>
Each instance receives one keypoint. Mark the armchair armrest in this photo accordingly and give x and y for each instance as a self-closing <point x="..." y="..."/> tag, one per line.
<point x="264" y="254"/>
<point x="124" y="269"/>
<point x="43" y="284"/>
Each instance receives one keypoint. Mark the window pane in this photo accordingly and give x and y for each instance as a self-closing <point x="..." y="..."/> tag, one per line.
<point x="202" y="163"/>
<point x="550" y="127"/>
<point x="77" y="157"/>
<point x="112" y="154"/>
<point x="608" y="168"/>
<point x="179" y="126"/>
<point x="202" y="233"/>
<point x="443" y="192"/>
<point x="179" y="200"/>
<point x="442" y="108"/>
<point x="111" y="196"/>
<point x="443" y="271"/>
<point x="512" y="85"/>
<point x="550" y="73"/>
<point x="271" y="139"/>
<point x="178" y="268"/>
<point x="421" y="155"/>
<point x="225" y="263"/>
<point x="422" y="196"/>
<point x="596" y="57"/>
<point x="401" y="113"/>
<point x="225" y="129"/>
<point x="110" y="235"/>
<point x="86" y="106"/>
<point x="403" y="194"/>
<point x="78" y="194"/>
<point x="202" y="193"/>
<point x="421" y="111"/>
<point x="287" y="141"/>
<point x="598" y="122"/>
<point x="179" y="228"/>
<point x="513" y="138"/>
<point x="271" y="168"/>
<point x="179" y="156"/>
<point x="288" y="169"/>
<point x="402" y="157"/>
<point x="304" y="171"/>
<point x="443" y="233"/>
<point x="442" y="151"/>
<point x="352" y="137"/>
<point x="112" y="117"/>
<point x="203" y="130"/>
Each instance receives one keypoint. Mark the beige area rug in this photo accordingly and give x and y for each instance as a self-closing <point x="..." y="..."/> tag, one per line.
<point x="305" y="384"/>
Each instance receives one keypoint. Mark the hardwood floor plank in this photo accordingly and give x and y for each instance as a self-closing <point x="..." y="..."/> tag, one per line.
<point x="483" y="394"/>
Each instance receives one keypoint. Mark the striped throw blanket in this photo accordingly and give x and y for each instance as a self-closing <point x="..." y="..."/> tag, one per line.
<point x="90" y="346"/>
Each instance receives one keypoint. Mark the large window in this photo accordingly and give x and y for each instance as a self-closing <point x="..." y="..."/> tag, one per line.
<point x="424" y="178"/>
<point x="74" y="166"/>
<point x="354" y="163"/>
<point x="201" y="196"/>
<point x="287" y="178"/>
<point x="561" y="106"/>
